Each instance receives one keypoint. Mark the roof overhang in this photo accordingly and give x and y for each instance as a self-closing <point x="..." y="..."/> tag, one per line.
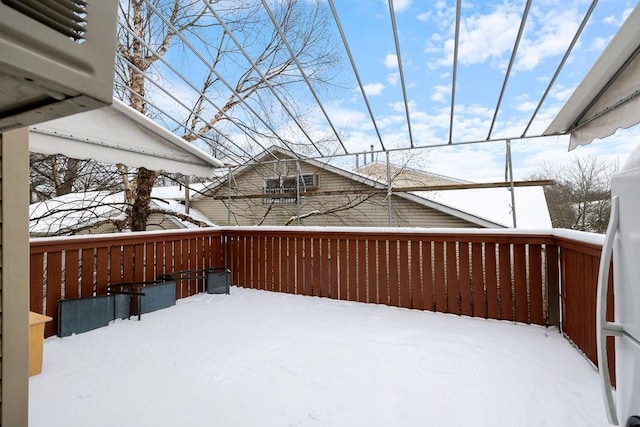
<point x="609" y="96"/>
<point x="119" y="134"/>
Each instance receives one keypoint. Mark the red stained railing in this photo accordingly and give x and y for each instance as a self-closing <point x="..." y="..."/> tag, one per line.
<point x="536" y="278"/>
<point x="85" y="266"/>
<point x="489" y="275"/>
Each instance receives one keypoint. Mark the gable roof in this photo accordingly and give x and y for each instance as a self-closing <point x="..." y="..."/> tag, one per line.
<point x="119" y="134"/>
<point x="485" y="207"/>
<point x="403" y="176"/>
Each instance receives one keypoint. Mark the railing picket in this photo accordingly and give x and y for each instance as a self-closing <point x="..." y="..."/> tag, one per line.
<point x="87" y="279"/>
<point x="405" y="285"/>
<point x="240" y="257"/>
<point x="127" y="264"/>
<point x="194" y="286"/>
<point x="187" y="285"/>
<point x="439" y="276"/>
<point x="306" y="267"/>
<point x="453" y="292"/>
<point x="269" y="255"/>
<point x="149" y="261"/>
<point x="491" y="280"/>
<point x="102" y="270"/>
<point x="466" y="307"/>
<point x="394" y="274"/>
<point x="37" y="282"/>
<point x="291" y="266"/>
<point x="159" y="250"/>
<point x="316" y="267"/>
<point x="520" y="283"/>
<point x="477" y="279"/>
<point x="325" y="277"/>
<point x="54" y="290"/>
<point x="384" y="287"/>
<point x="428" y="286"/>
<point x="362" y="270"/>
<point x="374" y="293"/>
<point x="535" y="284"/>
<point x="334" y="278"/>
<point x="115" y="264"/>
<point x="504" y="275"/>
<point x="417" y="301"/>
<point x="138" y="262"/>
<point x="553" y="285"/>
<point x="343" y="267"/>
<point x="177" y="264"/>
<point x="71" y="273"/>
<point x="352" y="270"/>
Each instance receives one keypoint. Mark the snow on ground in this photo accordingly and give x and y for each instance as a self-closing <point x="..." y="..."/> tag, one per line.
<point x="255" y="358"/>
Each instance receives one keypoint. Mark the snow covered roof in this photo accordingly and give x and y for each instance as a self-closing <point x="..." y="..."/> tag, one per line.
<point x="70" y="213"/>
<point x="119" y="134"/>
<point x="403" y="176"/>
<point x="176" y="192"/>
<point x="493" y="205"/>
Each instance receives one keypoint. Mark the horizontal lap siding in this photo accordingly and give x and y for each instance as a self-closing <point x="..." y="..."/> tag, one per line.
<point x="364" y="210"/>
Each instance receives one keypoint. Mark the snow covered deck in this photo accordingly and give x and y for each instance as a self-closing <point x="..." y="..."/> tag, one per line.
<point x="257" y="358"/>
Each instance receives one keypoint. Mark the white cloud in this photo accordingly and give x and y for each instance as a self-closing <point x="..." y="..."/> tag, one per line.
<point x="345" y="117"/>
<point x="393" y="78"/>
<point x="482" y="37"/>
<point x="526" y="106"/>
<point x="556" y="29"/>
<point x="614" y="20"/>
<point x="562" y="94"/>
<point x="440" y="93"/>
<point x="599" y="43"/>
<point x="424" y="16"/>
<point x="401" y="5"/>
<point x="491" y="36"/>
<point x="373" y="89"/>
<point x="390" y="61"/>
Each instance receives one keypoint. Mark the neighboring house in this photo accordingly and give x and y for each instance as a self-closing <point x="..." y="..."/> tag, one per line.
<point x="101" y="212"/>
<point x="265" y="194"/>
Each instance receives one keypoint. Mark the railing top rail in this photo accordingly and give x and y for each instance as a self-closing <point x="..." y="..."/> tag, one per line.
<point x="94" y="240"/>
<point x="382" y="233"/>
<point x="590" y="242"/>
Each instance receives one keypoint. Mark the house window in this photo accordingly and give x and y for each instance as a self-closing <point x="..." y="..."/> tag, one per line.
<point x="286" y="185"/>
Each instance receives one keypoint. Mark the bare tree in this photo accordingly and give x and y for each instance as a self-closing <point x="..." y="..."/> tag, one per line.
<point x="290" y="191"/>
<point x="56" y="175"/>
<point x="581" y="198"/>
<point x="144" y="38"/>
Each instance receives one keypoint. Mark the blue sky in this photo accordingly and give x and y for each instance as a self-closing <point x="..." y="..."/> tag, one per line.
<point x="488" y="32"/>
<point x="426" y="32"/>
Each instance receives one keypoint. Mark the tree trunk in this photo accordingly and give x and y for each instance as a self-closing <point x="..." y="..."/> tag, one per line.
<point x="140" y="210"/>
<point x="70" y="174"/>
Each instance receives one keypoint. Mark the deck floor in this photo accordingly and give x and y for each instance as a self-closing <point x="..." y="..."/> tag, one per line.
<point x="255" y="358"/>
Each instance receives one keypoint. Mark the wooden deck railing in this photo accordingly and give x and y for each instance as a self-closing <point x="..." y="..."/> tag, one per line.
<point x="499" y="276"/>
<point x="579" y="262"/>
<point x="85" y="266"/>
<point x="537" y="278"/>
